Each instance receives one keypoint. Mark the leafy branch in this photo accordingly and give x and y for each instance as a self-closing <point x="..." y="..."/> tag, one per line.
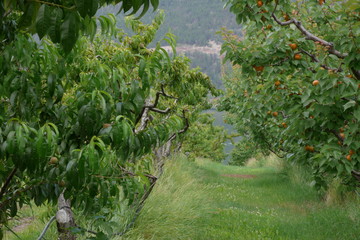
<point x="308" y="35"/>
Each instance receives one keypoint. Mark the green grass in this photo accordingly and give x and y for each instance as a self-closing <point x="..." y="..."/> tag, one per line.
<point x="194" y="201"/>
<point x="30" y="222"/>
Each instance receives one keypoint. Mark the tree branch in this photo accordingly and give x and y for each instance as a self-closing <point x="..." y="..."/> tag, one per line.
<point x="186" y="127"/>
<point x="7" y="182"/>
<point x="53" y="4"/>
<point x="315" y="59"/>
<point x="308" y="35"/>
<point x="337" y="135"/>
<point x="145" y="111"/>
<point x="160" y="111"/>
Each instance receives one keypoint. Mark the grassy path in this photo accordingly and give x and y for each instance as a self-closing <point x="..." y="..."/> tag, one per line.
<point x="195" y="201"/>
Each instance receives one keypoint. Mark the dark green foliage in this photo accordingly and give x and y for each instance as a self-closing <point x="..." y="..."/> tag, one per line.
<point x="46" y="17"/>
<point x="69" y="121"/>
<point x="295" y="86"/>
<point x="243" y="151"/>
<point x="205" y="140"/>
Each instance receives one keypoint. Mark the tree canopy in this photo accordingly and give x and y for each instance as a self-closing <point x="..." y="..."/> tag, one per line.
<point x="81" y="113"/>
<point x="295" y="87"/>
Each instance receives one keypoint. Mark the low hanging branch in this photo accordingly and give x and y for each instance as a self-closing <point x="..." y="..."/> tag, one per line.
<point x="308" y="35"/>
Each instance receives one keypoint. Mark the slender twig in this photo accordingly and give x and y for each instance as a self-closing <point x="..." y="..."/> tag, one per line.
<point x="315" y="59"/>
<point x="52" y="4"/>
<point x="7" y="182"/>
<point x="160" y="111"/>
<point x="16" y="194"/>
<point x="280" y="62"/>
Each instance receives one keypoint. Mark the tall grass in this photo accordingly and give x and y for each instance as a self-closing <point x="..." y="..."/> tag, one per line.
<point x="204" y="200"/>
<point x="176" y="202"/>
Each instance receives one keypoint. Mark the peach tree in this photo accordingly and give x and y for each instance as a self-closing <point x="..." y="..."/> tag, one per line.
<point x="296" y="82"/>
<point x="82" y="115"/>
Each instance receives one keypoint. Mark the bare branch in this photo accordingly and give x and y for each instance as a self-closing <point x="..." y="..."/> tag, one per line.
<point x="160" y="111"/>
<point x="143" y="116"/>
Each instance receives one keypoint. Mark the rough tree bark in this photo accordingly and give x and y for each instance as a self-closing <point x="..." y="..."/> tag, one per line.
<point x="65" y="219"/>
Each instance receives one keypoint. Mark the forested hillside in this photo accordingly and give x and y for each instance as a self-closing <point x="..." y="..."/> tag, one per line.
<point x="193" y="22"/>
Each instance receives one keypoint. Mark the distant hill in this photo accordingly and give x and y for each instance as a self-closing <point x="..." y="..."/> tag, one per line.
<point x="192" y="21"/>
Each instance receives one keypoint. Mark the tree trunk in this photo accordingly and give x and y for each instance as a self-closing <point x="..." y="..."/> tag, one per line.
<point x="65" y="219"/>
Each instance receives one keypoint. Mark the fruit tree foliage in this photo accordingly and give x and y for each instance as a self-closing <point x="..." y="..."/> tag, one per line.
<point x="71" y="120"/>
<point x="296" y="81"/>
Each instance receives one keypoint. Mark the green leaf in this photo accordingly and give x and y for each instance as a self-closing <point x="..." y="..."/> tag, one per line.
<point x="87" y="7"/>
<point x="69" y="32"/>
<point x="43" y="20"/>
<point x="51" y="83"/>
<point x="145" y="9"/>
<point x="29" y="15"/>
<point x="55" y="23"/>
<point x="349" y="104"/>
<point x="357" y="114"/>
<point x="81" y="6"/>
<point x="155" y="4"/>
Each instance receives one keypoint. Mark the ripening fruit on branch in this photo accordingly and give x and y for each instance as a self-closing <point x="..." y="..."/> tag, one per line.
<point x="260" y="3"/>
<point x="321" y="2"/>
<point x="297" y="56"/>
<point x="351" y="152"/>
<point x="284" y="125"/>
<point x="315" y="82"/>
<point x="259" y="68"/>
<point x="349" y="76"/>
<point x="286" y="17"/>
<point x="293" y="46"/>
<point x="275" y="114"/>
<point x="53" y="160"/>
<point x="348" y="157"/>
<point x="309" y="148"/>
<point x="342" y="136"/>
<point x="269" y="113"/>
<point x="277" y="83"/>
<point x="269" y="27"/>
